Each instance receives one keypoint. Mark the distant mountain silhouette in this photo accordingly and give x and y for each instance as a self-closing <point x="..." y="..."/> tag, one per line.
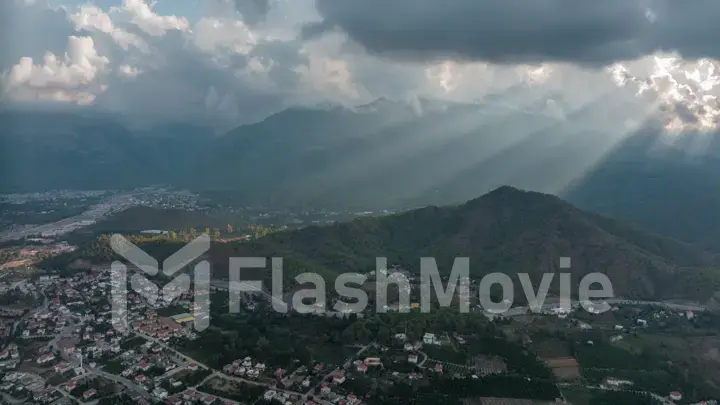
<point x="386" y="154"/>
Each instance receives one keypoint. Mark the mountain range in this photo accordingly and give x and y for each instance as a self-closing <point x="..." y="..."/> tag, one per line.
<point x="506" y="230"/>
<point x="385" y="154"/>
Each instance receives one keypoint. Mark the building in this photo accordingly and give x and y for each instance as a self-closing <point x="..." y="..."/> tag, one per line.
<point x="89" y="394"/>
<point x="63" y="368"/>
<point x="429" y="339"/>
<point x="183" y="318"/>
<point x="613" y="382"/>
<point x="160" y="393"/>
<point x="269" y="395"/>
<point x="676" y="396"/>
<point x="338" y="377"/>
<point x="372" y="361"/>
<point x="46" y="358"/>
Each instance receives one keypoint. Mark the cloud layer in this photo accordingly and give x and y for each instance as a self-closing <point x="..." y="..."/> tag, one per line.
<point x="237" y="61"/>
<point x="581" y="31"/>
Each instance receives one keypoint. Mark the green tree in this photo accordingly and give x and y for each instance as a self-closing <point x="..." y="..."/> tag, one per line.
<point x="383" y="335"/>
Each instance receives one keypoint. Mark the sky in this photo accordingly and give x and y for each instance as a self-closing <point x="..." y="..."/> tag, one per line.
<point x="237" y="61"/>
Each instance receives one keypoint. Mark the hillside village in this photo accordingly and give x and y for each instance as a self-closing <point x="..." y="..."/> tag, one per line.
<point x="60" y="346"/>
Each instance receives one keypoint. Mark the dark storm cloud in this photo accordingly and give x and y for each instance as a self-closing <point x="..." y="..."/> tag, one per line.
<point x="253" y="11"/>
<point x="509" y="31"/>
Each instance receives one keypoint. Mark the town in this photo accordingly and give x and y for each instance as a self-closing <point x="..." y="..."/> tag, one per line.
<point x="59" y="347"/>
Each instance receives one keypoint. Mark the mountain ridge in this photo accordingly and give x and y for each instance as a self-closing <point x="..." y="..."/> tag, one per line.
<point x="386" y="157"/>
<point x="507" y="230"/>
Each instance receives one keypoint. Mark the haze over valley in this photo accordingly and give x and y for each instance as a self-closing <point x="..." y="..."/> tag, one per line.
<point x="545" y="143"/>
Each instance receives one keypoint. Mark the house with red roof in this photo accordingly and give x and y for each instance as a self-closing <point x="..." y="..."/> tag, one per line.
<point x="89" y="394"/>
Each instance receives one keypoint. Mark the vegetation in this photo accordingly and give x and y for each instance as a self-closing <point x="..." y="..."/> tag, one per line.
<point x="243" y="393"/>
<point x="506" y="230"/>
<point x="623" y="398"/>
<point x="454" y="391"/>
<point x="118" y="399"/>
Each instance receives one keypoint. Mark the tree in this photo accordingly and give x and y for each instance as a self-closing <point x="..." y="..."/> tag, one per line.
<point x="262" y="342"/>
<point x="383" y="335"/>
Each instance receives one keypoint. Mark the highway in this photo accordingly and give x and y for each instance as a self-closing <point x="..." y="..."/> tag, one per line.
<point x="134" y="389"/>
<point x="523" y="310"/>
<point x="218" y="374"/>
<point x="94" y="213"/>
<point x="512" y="312"/>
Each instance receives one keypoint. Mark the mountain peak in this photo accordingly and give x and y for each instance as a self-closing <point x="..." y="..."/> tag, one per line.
<point x="505" y="190"/>
<point x="504" y="194"/>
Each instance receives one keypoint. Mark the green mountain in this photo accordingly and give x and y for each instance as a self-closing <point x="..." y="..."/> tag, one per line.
<point x="506" y="230"/>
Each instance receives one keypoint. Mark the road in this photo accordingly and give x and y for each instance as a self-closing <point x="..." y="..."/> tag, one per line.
<point x="661" y="399"/>
<point x="224" y="285"/>
<point x="11" y="400"/>
<point x="347" y="364"/>
<point x="215" y="373"/>
<point x="134" y="389"/>
<point x="523" y="310"/>
<point x="218" y="374"/>
<point x="514" y="311"/>
<point x="67" y="331"/>
<point x="45" y="305"/>
<point x="421" y="363"/>
<point x="94" y="213"/>
<point x="177" y="353"/>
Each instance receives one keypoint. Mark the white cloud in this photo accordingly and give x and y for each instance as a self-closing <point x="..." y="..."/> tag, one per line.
<point x="686" y="91"/>
<point x="323" y="76"/>
<point x="74" y="78"/>
<point x="128" y="71"/>
<point x="223" y="34"/>
<point x="91" y="18"/>
<point x="143" y="17"/>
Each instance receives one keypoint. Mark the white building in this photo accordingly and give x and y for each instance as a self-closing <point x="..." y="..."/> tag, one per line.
<point x="269" y="395"/>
